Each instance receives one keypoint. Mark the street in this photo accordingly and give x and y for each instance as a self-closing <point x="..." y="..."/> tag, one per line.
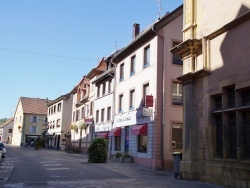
<point x="52" y="168"/>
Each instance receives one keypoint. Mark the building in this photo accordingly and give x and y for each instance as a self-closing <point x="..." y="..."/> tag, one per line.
<point x="104" y="100"/>
<point x="59" y="121"/>
<point x="216" y="85"/>
<point x="6" y="131"/>
<point x="148" y="97"/>
<point x="30" y="118"/>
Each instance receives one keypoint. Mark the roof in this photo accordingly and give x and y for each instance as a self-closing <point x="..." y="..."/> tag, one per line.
<point x="100" y="68"/>
<point x="62" y="97"/>
<point x="34" y="105"/>
<point x="147" y="34"/>
<point x="6" y="122"/>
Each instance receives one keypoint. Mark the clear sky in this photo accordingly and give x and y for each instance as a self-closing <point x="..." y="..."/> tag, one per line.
<point x="47" y="46"/>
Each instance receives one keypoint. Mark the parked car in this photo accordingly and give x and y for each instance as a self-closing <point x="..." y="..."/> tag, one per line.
<point x="2" y="149"/>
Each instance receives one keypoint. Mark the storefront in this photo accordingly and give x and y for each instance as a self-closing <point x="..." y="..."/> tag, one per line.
<point x="132" y="134"/>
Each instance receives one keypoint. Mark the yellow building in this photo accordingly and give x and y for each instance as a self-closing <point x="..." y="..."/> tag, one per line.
<point x="216" y="90"/>
<point x="29" y="118"/>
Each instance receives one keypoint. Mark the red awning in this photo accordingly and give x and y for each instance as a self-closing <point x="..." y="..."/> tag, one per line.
<point x="140" y="130"/>
<point x="102" y="135"/>
<point x="115" y="132"/>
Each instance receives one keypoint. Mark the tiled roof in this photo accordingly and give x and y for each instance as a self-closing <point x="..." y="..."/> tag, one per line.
<point x="6" y="122"/>
<point x="34" y="105"/>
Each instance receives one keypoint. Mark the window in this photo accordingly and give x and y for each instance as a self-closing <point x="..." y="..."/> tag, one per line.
<point x="132" y="99"/>
<point x="145" y="92"/>
<point x="232" y="125"/>
<point x="122" y="72"/>
<point x="108" y="113"/>
<point x="132" y="65"/>
<point x="54" y="108"/>
<point x="98" y="91"/>
<point x="77" y="115"/>
<point x="59" y="107"/>
<point x="74" y="114"/>
<point x="33" y="129"/>
<point x="177" y="94"/>
<point x="142" y="143"/>
<point x="58" y="123"/>
<point x="176" y="136"/>
<point x="91" y="107"/>
<point x="20" y="118"/>
<point x="146" y="62"/>
<point x="103" y="89"/>
<point x="102" y="115"/>
<point x="176" y="57"/>
<point x="109" y="86"/>
<point x="33" y="119"/>
<point x="118" y="143"/>
<point x="97" y="116"/>
<point x="120" y="103"/>
<point x="10" y="130"/>
<point x="219" y="136"/>
<point x="246" y="133"/>
<point x="83" y="112"/>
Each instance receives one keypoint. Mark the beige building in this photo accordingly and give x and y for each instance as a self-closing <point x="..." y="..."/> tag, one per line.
<point x="148" y="98"/>
<point x="59" y="121"/>
<point x="6" y="131"/>
<point x="29" y="120"/>
<point x="216" y="85"/>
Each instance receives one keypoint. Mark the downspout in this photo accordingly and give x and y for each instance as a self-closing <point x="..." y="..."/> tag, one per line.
<point x="163" y="91"/>
<point x="113" y="107"/>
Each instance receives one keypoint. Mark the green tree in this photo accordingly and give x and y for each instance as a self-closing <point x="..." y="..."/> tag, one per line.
<point x="2" y="120"/>
<point x="98" y="151"/>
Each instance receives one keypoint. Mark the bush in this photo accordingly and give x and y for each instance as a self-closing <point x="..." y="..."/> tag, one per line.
<point x="98" y="151"/>
<point x="118" y="154"/>
<point x="39" y="143"/>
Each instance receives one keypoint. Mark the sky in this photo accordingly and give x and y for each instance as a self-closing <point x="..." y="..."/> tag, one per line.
<point x="47" y="46"/>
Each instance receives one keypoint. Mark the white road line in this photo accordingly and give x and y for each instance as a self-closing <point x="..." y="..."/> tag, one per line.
<point x="49" y="162"/>
<point x="57" y="168"/>
<point x="52" y="164"/>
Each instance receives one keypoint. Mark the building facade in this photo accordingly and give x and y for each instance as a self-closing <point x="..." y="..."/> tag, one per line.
<point x="145" y="115"/>
<point x="29" y="120"/>
<point x="6" y="131"/>
<point x="216" y="84"/>
<point x="59" y="121"/>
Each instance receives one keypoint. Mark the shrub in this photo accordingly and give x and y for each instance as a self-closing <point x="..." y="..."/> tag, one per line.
<point x="118" y="154"/>
<point x="39" y="143"/>
<point x="98" y="151"/>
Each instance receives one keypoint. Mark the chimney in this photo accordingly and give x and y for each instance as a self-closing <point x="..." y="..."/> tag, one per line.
<point x="136" y="30"/>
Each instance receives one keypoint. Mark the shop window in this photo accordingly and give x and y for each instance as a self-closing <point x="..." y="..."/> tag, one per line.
<point x="117" y="143"/>
<point x="176" y="136"/>
<point x="142" y="143"/>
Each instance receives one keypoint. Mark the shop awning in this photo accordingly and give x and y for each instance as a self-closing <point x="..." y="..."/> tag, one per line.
<point x="140" y="130"/>
<point x="102" y="135"/>
<point x="115" y="132"/>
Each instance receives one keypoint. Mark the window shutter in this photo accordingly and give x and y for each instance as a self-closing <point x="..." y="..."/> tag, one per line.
<point x="31" y="118"/>
<point x="37" y="118"/>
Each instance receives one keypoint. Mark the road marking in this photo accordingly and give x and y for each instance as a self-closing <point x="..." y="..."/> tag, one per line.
<point x="52" y="164"/>
<point x="57" y="169"/>
<point x="49" y="162"/>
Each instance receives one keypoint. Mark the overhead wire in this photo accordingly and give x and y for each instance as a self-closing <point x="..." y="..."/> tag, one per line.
<point x="36" y="53"/>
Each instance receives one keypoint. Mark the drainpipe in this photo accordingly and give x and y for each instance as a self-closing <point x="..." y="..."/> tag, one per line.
<point x="113" y="108"/>
<point x="163" y="91"/>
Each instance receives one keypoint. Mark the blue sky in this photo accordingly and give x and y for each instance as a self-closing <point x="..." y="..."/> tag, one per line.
<point x="47" y="46"/>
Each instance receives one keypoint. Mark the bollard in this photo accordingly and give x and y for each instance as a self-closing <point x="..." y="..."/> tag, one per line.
<point x="177" y="158"/>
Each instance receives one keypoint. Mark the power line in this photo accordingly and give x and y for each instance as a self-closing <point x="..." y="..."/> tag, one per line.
<point x="36" y="53"/>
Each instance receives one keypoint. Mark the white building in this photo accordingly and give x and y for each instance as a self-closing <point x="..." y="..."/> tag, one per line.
<point x="6" y="131"/>
<point x="59" y="121"/>
<point x="148" y="98"/>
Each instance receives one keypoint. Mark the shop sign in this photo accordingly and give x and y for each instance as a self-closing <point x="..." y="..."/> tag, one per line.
<point x="126" y="118"/>
<point x="149" y="101"/>
<point x="147" y="111"/>
<point x="88" y="121"/>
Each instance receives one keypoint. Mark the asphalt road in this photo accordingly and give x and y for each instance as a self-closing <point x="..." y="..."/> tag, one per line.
<point x="57" y="169"/>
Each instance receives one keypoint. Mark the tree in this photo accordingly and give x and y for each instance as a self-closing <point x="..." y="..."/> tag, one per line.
<point x="98" y="151"/>
<point x="2" y="120"/>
